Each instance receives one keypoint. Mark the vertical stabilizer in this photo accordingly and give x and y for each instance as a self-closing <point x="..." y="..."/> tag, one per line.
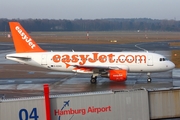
<point x="22" y="40"/>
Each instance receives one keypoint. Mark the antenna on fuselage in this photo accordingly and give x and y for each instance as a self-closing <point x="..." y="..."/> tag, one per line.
<point x="141" y="48"/>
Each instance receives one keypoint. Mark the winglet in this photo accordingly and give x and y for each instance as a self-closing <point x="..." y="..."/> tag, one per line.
<point x="22" y="40"/>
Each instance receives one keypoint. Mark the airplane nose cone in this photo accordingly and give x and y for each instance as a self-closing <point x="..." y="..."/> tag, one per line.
<point x="171" y="65"/>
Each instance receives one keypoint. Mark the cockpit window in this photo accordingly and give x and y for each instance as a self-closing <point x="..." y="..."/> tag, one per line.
<point x="162" y="59"/>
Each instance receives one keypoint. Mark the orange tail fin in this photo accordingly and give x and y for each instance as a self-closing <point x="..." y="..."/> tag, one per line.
<point x="22" y="40"/>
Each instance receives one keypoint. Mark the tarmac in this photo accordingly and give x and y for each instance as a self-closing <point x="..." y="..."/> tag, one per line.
<point x="17" y="80"/>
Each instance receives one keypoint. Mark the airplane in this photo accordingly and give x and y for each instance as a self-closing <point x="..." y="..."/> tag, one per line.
<point x="66" y="103"/>
<point x="113" y="65"/>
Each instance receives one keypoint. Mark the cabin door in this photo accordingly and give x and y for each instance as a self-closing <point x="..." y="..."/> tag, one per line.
<point x="150" y="60"/>
<point x="43" y="59"/>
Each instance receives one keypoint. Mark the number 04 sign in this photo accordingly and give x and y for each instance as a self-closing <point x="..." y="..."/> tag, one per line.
<point x="24" y="114"/>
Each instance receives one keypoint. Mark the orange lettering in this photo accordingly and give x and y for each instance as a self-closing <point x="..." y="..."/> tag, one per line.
<point x="83" y="59"/>
<point x="111" y="59"/>
<point x="56" y="58"/>
<point x="65" y="58"/>
<point x="95" y="58"/>
<point x="119" y="58"/>
<point x="140" y="57"/>
<point x="102" y="58"/>
<point x="75" y="58"/>
<point x="129" y="58"/>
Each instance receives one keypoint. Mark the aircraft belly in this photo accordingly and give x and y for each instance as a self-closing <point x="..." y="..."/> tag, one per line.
<point x="135" y="68"/>
<point x="142" y="68"/>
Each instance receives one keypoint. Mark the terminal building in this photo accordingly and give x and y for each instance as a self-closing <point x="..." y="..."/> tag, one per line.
<point x="129" y="104"/>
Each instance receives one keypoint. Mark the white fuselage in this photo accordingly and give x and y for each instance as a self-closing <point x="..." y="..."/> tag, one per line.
<point x="68" y="61"/>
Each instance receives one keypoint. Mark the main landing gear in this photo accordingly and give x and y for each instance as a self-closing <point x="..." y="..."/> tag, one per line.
<point x="93" y="79"/>
<point x="149" y="77"/>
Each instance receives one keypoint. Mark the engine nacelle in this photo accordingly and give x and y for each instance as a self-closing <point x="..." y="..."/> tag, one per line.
<point x="116" y="75"/>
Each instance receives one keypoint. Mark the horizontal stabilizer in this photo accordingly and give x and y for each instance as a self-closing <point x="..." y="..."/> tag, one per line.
<point x="18" y="57"/>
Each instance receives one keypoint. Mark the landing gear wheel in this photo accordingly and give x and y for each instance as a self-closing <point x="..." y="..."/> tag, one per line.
<point x="149" y="80"/>
<point x="93" y="80"/>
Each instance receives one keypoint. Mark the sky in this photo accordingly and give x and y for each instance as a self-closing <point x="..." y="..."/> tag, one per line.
<point x="89" y="9"/>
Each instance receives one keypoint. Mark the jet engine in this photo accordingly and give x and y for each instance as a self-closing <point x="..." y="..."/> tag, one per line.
<point x="116" y="75"/>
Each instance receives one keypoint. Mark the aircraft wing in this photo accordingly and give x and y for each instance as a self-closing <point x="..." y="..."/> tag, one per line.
<point x="90" y="68"/>
<point x="97" y="67"/>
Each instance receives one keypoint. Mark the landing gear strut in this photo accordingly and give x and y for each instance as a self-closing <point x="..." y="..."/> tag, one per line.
<point x="93" y="79"/>
<point x="149" y="77"/>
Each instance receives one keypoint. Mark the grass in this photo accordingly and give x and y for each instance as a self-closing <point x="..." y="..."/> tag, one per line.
<point x="100" y="37"/>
